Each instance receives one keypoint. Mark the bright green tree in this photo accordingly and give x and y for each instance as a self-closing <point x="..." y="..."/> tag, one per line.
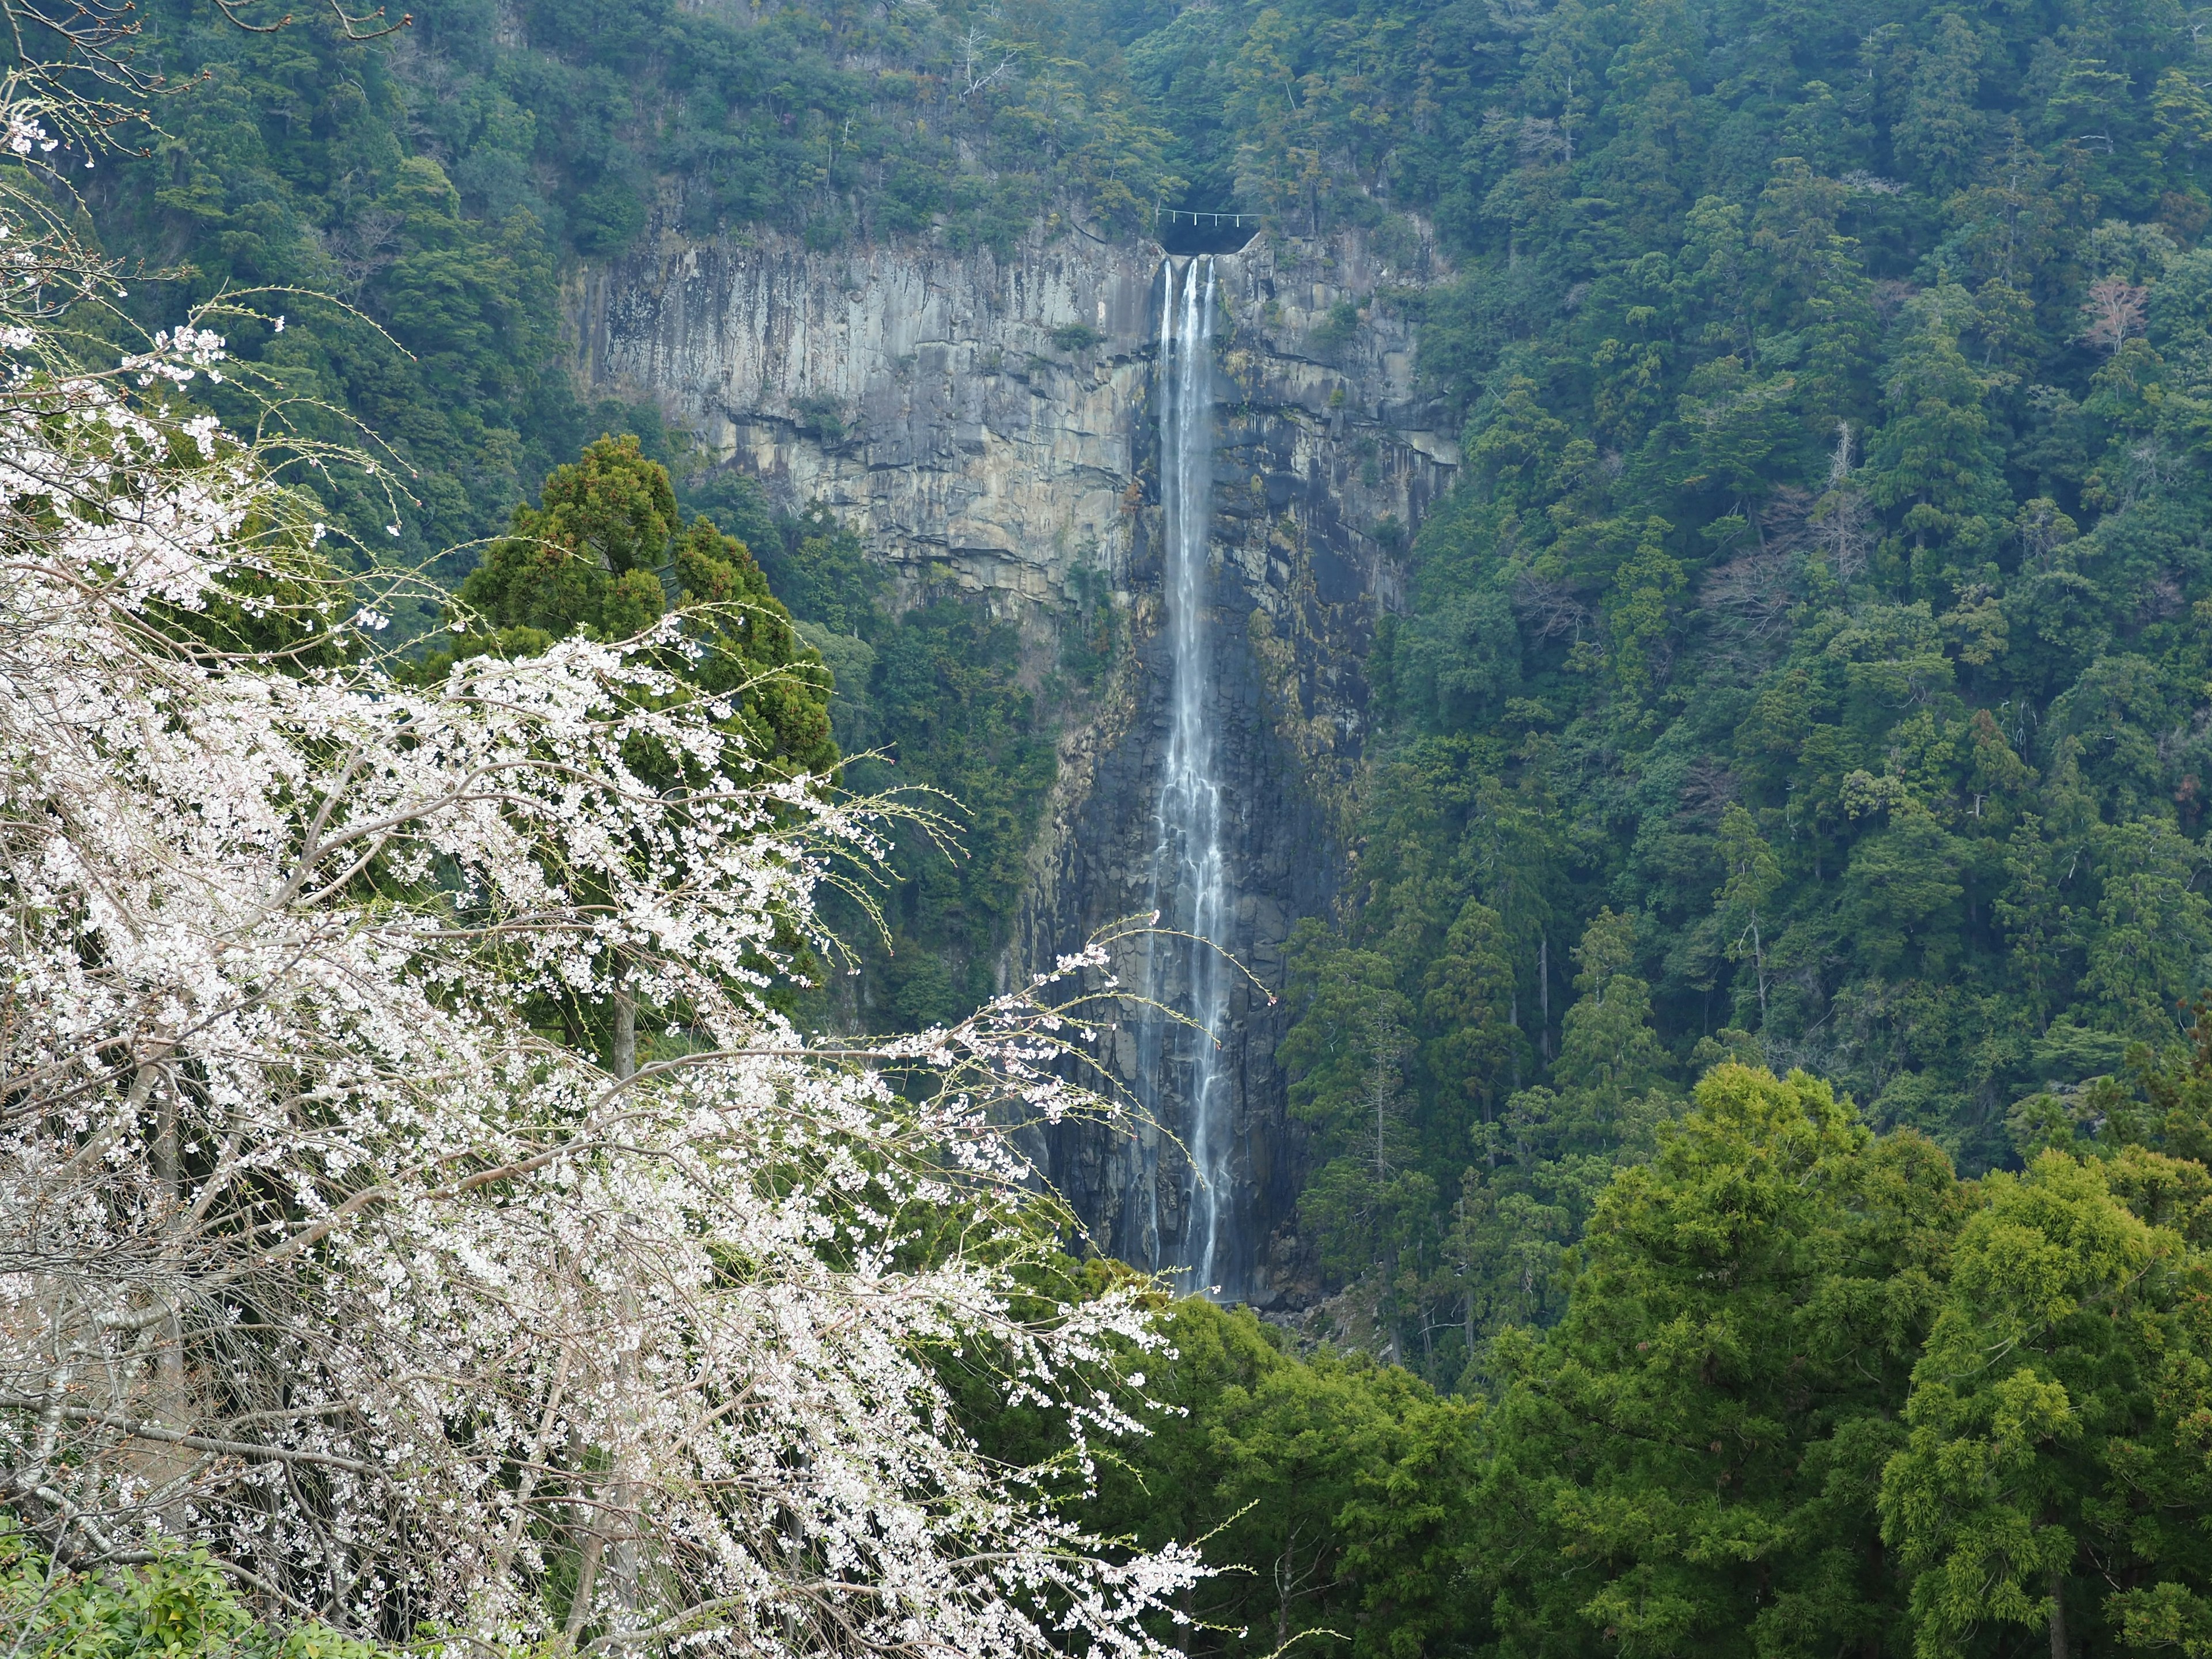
<point x="2054" y="1475"/>
<point x="1334" y="1492"/>
<point x="589" y="555"/>
<point x="176" y="1604"/>
<point x="1690" y="1462"/>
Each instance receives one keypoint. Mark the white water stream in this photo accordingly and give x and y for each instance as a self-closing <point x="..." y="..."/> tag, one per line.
<point x="1190" y="878"/>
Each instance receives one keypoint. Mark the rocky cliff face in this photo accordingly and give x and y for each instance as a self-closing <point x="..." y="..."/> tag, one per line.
<point x="988" y="424"/>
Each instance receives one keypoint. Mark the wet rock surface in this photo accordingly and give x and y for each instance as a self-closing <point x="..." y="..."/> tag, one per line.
<point x="987" y="423"/>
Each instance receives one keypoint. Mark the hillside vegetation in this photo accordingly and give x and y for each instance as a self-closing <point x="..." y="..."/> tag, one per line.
<point x="1755" y="1091"/>
<point x="1812" y="664"/>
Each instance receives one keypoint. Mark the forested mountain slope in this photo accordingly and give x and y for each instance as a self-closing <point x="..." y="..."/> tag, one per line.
<point x="1821" y="599"/>
<point x="1824" y="610"/>
<point x="1822" y="595"/>
<point x="437" y="178"/>
<point x="1813" y="669"/>
<point x="408" y="205"/>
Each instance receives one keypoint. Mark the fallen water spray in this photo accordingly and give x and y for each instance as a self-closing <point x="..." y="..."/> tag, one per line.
<point x="1190" y="881"/>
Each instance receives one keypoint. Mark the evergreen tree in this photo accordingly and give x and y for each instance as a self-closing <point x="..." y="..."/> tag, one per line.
<point x="1701" y="1441"/>
<point x="598" y="556"/>
<point x="2053" y="1470"/>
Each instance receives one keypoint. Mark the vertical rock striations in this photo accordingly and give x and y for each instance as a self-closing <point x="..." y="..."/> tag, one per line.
<point x="990" y="425"/>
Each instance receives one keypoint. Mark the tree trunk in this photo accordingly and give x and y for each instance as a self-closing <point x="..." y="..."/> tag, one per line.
<point x="1758" y="961"/>
<point x="592" y="1546"/>
<point x="609" y="1529"/>
<point x="170" y="1406"/>
<point x="625" y="1042"/>
<point x="1544" y="995"/>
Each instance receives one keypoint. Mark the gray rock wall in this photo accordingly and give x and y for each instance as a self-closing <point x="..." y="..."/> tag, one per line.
<point x="987" y="423"/>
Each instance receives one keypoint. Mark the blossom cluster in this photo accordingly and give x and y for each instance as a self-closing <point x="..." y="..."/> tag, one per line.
<point x="331" y="1239"/>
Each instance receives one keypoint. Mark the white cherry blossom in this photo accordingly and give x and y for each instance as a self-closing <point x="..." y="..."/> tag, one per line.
<point x="326" y="1243"/>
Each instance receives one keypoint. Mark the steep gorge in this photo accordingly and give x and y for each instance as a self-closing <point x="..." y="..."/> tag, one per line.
<point x="990" y="425"/>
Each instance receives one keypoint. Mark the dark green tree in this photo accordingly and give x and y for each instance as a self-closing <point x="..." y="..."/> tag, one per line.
<point x="598" y="555"/>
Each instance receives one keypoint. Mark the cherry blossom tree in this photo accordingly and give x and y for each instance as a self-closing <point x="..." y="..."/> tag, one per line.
<point x="427" y="1321"/>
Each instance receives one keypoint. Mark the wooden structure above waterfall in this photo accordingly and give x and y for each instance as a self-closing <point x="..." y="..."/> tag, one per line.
<point x="1186" y="230"/>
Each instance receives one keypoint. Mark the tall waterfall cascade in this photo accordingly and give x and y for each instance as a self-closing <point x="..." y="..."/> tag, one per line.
<point x="963" y="445"/>
<point x="1183" y="1079"/>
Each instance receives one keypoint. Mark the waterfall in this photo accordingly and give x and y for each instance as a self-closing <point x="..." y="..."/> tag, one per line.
<point x="1185" y="968"/>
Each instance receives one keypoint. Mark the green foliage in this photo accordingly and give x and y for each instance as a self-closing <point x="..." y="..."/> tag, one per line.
<point x="1826" y="588"/>
<point x="2050" y="1451"/>
<point x="2054" y="1463"/>
<point x="929" y="701"/>
<point x="1348" y="1055"/>
<point x="587" y="559"/>
<point x="602" y="557"/>
<point x="1334" y="1492"/>
<point x="945" y="703"/>
<point x="381" y="203"/>
<point x="1456" y="1198"/>
<point x="599" y="556"/>
<point x="821" y="121"/>
<point x="1807" y="1392"/>
<point x="177" y="1605"/>
<point x="1337" y="330"/>
<point x="431" y="185"/>
<point x="1704" y="1435"/>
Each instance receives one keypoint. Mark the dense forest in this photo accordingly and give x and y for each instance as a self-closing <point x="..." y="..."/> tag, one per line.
<point x="1810" y="668"/>
<point x="1758" y="1092"/>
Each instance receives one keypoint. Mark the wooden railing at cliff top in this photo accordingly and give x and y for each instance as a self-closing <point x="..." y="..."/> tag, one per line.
<point x="1176" y="215"/>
